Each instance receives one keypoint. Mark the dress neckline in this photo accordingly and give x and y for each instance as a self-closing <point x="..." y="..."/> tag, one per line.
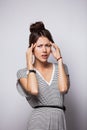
<point x="52" y="75"/>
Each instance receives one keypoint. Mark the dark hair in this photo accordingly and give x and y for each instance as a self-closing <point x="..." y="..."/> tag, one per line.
<point x="37" y="30"/>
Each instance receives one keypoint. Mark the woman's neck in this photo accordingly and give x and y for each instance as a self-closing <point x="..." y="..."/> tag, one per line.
<point x="41" y="65"/>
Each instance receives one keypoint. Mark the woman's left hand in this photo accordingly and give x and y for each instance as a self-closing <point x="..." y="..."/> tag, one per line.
<point x="55" y="51"/>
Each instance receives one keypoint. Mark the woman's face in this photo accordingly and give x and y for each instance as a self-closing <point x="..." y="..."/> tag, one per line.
<point x="42" y="49"/>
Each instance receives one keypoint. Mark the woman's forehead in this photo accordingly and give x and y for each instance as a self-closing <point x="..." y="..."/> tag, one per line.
<point x="42" y="40"/>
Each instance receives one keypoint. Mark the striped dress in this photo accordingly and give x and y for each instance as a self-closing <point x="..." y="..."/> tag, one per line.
<point x="44" y="118"/>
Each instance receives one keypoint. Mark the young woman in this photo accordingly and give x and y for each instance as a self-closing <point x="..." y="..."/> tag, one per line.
<point x="44" y="84"/>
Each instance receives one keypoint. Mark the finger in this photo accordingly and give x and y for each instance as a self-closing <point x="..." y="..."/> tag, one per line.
<point x="34" y="45"/>
<point x="54" y="45"/>
<point x="29" y="48"/>
<point x="51" y="43"/>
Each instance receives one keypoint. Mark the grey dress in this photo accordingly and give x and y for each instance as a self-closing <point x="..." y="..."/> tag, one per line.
<point x="45" y="118"/>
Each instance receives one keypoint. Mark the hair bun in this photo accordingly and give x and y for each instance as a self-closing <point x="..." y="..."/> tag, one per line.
<point x="38" y="26"/>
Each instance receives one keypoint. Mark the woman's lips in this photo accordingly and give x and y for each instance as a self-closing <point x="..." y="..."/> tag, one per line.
<point x="44" y="56"/>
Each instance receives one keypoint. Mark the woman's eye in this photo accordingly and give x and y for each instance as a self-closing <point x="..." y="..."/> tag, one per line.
<point x="48" y="46"/>
<point x="45" y="46"/>
<point x="39" y="46"/>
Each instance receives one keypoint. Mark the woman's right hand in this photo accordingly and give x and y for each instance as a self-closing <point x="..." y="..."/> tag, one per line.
<point x="29" y="57"/>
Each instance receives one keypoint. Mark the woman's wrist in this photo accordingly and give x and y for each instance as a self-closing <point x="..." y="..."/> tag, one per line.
<point x="31" y="71"/>
<point x="59" y="58"/>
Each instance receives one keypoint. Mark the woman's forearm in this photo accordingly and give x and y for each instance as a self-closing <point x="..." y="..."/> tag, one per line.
<point x="32" y="84"/>
<point x="62" y="77"/>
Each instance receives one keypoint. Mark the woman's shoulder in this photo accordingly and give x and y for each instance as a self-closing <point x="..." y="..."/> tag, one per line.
<point x="65" y="67"/>
<point x="21" y="70"/>
<point x="22" y="73"/>
<point x="56" y="64"/>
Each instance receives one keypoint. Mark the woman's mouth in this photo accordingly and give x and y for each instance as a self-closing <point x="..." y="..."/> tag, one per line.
<point x="44" y="56"/>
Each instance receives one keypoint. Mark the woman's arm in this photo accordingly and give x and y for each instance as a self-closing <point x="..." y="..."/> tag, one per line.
<point x="30" y="83"/>
<point x="63" y="82"/>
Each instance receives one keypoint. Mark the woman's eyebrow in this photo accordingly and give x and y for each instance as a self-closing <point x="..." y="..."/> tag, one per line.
<point x="39" y="44"/>
<point x="43" y="44"/>
<point x="48" y="43"/>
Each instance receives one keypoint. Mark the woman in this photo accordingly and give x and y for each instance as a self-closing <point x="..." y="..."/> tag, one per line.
<point x="44" y="84"/>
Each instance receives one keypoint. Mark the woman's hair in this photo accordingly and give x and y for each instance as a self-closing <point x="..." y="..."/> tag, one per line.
<point x="37" y="30"/>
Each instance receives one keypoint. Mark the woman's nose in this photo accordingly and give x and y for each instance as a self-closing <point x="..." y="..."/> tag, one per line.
<point x="44" y="49"/>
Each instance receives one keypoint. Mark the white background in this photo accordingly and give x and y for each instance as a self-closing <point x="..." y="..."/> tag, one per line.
<point x="67" y="21"/>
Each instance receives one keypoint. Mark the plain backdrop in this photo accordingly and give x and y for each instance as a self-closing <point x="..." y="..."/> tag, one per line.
<point x="67" y="21"/>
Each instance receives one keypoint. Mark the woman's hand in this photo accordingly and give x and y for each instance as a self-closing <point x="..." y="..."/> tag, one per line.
<point x="55" y="50"/>
<point x="29" y="56"/>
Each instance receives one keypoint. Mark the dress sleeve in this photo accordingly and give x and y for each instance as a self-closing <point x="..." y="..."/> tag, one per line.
<point x="22" y="73"/>
<point x="66" y="69"/>
<point x="67" y="73"/>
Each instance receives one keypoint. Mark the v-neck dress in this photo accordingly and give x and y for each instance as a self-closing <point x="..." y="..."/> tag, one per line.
<point x="44" y="118"/>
